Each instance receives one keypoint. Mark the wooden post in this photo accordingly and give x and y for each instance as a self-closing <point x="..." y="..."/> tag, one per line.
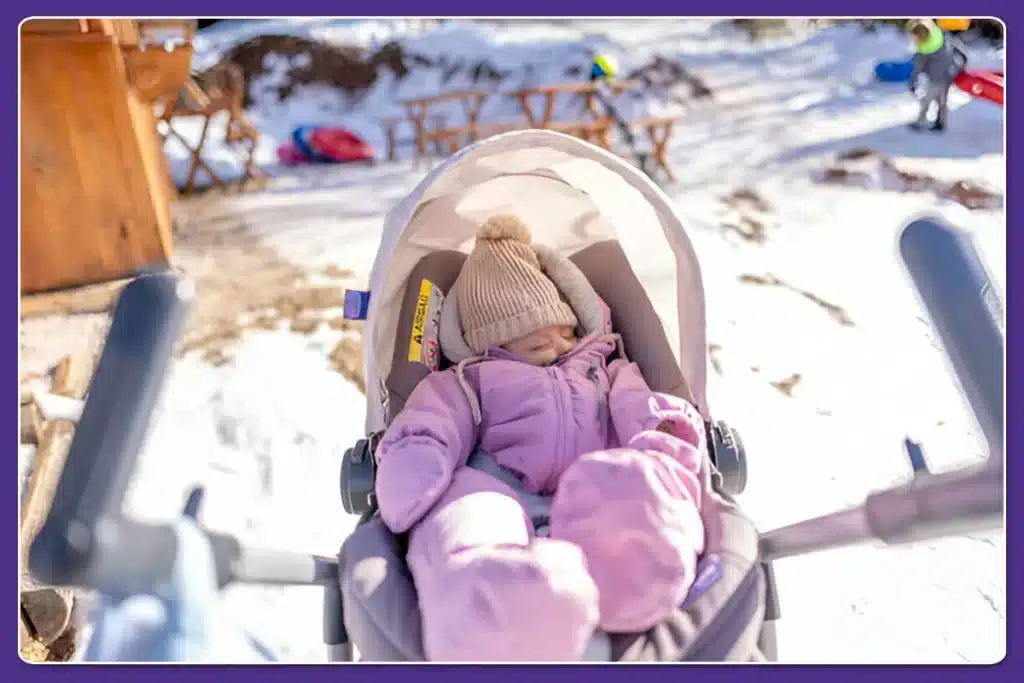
<point x="47" y="608"/>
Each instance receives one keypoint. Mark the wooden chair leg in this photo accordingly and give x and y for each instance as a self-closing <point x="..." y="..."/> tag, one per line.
<point x="197" y="159"/>
<point x="549" y="109"/>
<point x="197" y="164"/>
<point x="659" y="143"/>
<point x="391" y="142"/>
<point x="247" y="170"/>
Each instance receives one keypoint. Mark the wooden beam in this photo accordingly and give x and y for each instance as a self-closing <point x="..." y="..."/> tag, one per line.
<point x="47" y="609"/>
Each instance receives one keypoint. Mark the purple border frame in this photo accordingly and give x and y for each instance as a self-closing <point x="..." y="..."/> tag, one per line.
<point x="1007" y="10"/>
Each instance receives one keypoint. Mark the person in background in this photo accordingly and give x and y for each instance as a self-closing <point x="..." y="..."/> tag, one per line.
<point x="938" y="59"/>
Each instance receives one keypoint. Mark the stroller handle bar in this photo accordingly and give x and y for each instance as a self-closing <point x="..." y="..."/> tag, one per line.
<point x="133" y="557"/>
<point x="930" y="506"/>
<point x="956" y="290"/>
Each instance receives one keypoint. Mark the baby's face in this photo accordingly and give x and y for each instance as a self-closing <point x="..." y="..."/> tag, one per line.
<point x="543" y="346"/>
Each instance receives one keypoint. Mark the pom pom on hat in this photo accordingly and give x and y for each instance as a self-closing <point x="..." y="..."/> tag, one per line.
<point x="504" y="227"/>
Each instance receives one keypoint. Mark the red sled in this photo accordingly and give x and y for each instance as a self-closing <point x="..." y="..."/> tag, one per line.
<point x="983" y="83"/>
<point x="324" y="145"/>
<point x="339" y="145"/>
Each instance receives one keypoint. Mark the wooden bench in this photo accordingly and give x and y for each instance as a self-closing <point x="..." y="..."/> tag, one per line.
<point x="390" y="126"/>
<point x="597" y="132"/>
<point x="659" y="131"/>
<point x="430" y="131"/>
<point x="600" y="127"/>
<point x="418" y="110"/>
<point x="549" y="94"/>
<point x="454" y="139"/>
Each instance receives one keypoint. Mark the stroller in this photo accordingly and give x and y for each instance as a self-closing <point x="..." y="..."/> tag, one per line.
<point x="577" y="192"/>
<point x="580" y="196"/>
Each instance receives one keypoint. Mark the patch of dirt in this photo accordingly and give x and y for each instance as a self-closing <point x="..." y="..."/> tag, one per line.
<point x="313" y="61"/>
<point x="749" y="216"/>
<point x="714" y="357"/>
<point x="760" y="29"/>
<point x="745" y="197"/>
<point x="857" y="154"/>
<point x="838" y="313"/>
<point x="347" y="358"/>
<point x="787" y="385"/>
<point x="670" y="80"/>
<point x="867" y="168"/>
<point x="241" y="285"/>
<point x="747" y="229"/>
<point x="297" y="61"/>
<point x="347" y="68"/>
<point x="972" y="195"/>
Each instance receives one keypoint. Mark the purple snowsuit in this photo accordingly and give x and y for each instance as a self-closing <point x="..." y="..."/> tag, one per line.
<point x="625" y="524"/>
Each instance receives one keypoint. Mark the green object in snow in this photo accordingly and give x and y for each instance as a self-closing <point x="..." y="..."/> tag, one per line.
<point x="604" y="66"/>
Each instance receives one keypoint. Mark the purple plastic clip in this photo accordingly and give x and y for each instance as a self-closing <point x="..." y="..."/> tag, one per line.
<point x="709" y="571"/>
<point x="357" y="304"/>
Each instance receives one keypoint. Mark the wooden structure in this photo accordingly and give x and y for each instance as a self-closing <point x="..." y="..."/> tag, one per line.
<point x="222" y="93"/>
<point x="418" y="112"/>
<point x="430" y="131"/>
<point x="46" y="611"/>
<point x="548" y="94"/>
<point x="95" y="187"/>
<point x="658" y="130"/>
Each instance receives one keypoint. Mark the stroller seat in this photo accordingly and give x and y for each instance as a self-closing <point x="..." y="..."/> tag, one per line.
<point x="729" y="613"/>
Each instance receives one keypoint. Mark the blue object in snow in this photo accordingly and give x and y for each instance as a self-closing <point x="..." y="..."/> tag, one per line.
<point x="894" y="72"/>
<point x="300" y="136"/>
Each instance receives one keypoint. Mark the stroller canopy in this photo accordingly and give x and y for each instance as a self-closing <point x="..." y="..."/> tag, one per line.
<point x="572" y="194"/>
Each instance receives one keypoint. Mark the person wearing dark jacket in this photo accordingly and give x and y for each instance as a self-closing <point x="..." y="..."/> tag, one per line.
<point x="937" y="62"/>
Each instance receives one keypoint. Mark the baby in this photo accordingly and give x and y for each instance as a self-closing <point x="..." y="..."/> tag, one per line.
<point x="624" y="469"/>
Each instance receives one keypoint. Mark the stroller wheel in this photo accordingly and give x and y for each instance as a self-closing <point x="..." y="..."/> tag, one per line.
<point x="730" y="458"/>
<point x="357" y="477"/>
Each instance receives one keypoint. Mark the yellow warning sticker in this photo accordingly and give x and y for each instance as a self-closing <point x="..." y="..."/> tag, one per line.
<point x="423" y="346"/>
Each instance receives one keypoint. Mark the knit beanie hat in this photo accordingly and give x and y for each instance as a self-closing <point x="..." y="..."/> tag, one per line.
<point x="502" y="290"/>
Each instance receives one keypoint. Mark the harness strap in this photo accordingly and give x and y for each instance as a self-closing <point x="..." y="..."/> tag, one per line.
<point x="538" y="507"/>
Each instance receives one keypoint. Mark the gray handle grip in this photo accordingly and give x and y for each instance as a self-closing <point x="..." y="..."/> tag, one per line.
<point x="967" y="313"/>
<point x="146" y="324"/>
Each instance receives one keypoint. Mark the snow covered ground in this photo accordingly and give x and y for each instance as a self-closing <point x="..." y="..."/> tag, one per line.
<point x="265" y="433"/>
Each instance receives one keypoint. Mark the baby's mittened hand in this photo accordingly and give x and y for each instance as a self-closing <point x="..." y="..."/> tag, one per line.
<point x="635" y="514"/>
<point x="410" y="479"/>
